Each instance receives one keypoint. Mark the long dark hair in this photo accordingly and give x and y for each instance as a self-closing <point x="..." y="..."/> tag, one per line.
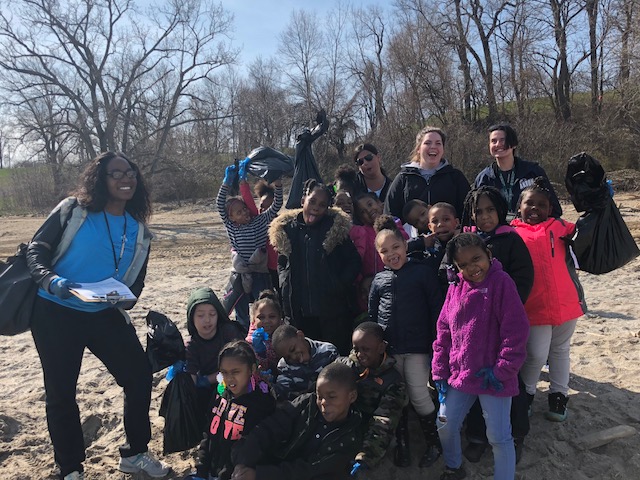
<point x="93" y="194"/>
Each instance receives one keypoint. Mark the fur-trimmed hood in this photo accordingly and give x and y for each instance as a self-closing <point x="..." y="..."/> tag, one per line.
<point x="338" y="232"/>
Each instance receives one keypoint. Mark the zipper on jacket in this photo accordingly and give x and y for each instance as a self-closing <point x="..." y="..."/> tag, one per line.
<point x="553" y="245"/>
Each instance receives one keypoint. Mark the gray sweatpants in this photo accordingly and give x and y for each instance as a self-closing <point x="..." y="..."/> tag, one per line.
<point x="547" y="342"/>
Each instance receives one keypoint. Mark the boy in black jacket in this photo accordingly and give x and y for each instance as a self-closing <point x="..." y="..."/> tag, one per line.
<point x="314" y="437"/>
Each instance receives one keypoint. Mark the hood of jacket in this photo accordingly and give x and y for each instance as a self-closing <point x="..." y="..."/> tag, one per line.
<point x="204" y="295"/>
<point x="338" y="232"/>
<point x="414" y="169"/>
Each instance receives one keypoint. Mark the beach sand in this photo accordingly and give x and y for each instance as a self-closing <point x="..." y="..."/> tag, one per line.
<point x="191" y="249"/>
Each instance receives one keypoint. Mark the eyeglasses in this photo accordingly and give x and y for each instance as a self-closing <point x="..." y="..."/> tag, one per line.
<point x="368" y="157"/>
<point x="119" y="174"/>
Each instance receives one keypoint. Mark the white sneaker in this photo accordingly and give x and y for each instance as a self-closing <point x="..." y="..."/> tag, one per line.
<point x="74" y="476"/>
<point x="144" y="462"/>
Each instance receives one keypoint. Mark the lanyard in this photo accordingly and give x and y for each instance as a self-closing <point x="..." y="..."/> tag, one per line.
<point x="116" y="261"/>
<point x="507" y="185"/>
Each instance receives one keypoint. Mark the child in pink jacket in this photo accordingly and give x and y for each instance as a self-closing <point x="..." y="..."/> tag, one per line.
<point x="556" y="299"/>
<point x="480" y="346"/>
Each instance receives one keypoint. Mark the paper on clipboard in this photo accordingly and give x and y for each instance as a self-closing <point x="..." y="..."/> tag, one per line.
<point x="109" y="290"/>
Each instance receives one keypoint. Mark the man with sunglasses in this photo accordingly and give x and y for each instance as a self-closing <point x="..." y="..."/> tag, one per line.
<point x="370" y="176"/>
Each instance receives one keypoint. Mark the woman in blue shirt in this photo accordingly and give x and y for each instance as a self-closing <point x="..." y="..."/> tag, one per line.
<point x="98" y="233"/>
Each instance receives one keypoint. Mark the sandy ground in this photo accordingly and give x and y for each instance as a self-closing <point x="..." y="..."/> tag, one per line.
<point x="190" y="250"/>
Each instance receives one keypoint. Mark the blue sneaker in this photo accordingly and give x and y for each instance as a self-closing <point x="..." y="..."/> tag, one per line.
<point x="144" y="462"/>
<point x="74" y="476"/>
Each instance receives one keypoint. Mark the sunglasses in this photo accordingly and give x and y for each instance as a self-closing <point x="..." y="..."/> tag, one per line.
<point x="367" y="157"/>
<point x="118" y="174"/>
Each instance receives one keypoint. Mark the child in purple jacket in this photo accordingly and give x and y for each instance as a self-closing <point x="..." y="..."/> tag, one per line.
<point x="481" y="344"/>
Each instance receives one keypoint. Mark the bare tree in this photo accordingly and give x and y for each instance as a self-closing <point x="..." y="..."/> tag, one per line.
<point x="367" y="61"/>
<point x="301" y="47"/>
<point x="107" y="61"/>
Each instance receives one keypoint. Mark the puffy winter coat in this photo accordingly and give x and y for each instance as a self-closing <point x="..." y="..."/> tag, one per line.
<point x="406" y="302"/>
<point x="557" y="295"/>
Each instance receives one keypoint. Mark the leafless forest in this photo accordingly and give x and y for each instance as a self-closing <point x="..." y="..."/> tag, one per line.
<point x="163" y="84"/>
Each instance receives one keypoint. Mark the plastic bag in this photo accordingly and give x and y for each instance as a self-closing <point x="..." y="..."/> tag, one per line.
<point x="165" y="345"/>
<point x="586" y="183"/>
<point x="17" y="294"/>
<point x="305" y="162"/>
<point x="269" y="164"/>
<point x="602" y="242"/>
<point x="183" y="427"/>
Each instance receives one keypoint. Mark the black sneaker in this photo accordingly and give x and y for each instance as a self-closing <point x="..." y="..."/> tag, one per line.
<point x="557" y="407"/>
<point x="453" y="473"/>
<point x="474" y="451"/>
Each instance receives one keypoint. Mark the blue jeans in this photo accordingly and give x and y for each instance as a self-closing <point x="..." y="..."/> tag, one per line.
<point x="496" y="413"/>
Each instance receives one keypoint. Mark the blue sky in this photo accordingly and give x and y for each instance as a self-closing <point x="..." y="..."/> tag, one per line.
<point x="258" y="23"/>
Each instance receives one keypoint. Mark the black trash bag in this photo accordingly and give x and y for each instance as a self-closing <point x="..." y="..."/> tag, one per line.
<point x="269" y="164"/>
<point x="183" y="428"/>
<point x="586" y="183"/>
<point x="305" y="163"/>
<point x="17" y="293"/>
<point x="165" y="345"/>
<point x="602" y="242"/>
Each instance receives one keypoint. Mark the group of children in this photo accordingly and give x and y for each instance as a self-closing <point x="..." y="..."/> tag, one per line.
<point x="452" y="322"/>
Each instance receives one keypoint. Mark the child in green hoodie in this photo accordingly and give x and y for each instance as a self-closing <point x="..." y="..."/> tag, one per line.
<point x="210" y="329"/>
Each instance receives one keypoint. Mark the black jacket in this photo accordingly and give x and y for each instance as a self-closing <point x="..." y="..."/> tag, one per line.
<point x="508" y="247"/>
<point x="278" y="448"/>
<point x="229" y="420"/>
<point x="525" y="172"/>
<point x="317" y="266"/>
<point x="361" y="186"/>
<point x="447" y="184"/>
<point x="407" y="302"/>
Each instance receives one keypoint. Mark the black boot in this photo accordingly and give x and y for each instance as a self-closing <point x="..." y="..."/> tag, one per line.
<point x="530" y="400"/>
<point x="557" y="407"/>
<point x="518" y="443"/>
<point x="430" y="431"/>
<point x="402" y="456"/>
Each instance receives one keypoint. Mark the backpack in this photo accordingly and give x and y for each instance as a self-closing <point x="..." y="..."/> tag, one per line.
<point x="18" y="290"/>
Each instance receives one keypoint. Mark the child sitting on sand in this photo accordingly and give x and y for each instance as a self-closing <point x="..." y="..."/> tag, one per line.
<point x="314" y="437"/>
<point x="301" y="360"/>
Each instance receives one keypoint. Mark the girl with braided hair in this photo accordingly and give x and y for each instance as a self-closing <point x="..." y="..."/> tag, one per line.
<point x="317" y="266"/>
<point x="485" y="212"/>
<point x="556" y="300"/>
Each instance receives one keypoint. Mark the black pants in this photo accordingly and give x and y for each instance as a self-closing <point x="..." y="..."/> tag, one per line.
<point x="61" y="334"/>
<point x="476" y="428"/>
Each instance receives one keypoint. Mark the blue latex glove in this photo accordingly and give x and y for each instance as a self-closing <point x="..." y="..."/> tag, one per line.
<point x="489" y="379"/>
<point x="610" y="185"/>
<point x="230" y="174"/>
<point x="174" y="369"/>
<point x="258" y="337"/>
<point x="357" y="467"/>
<point x="193" y="477"/>
<point x="60" y="287"/>
<point x="202" y="381"/>
<point x="267" y="375"/>
<point x="242" y="170"/>
<point x="442" y="386"/>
